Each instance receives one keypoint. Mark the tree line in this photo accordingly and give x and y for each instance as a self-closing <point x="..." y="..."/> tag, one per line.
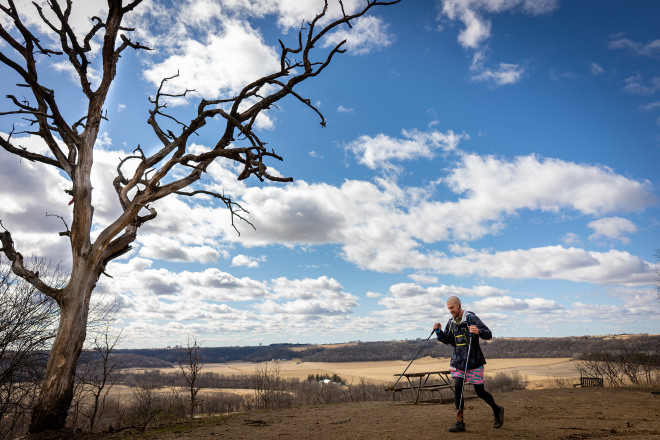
<point x="557" y="347"/>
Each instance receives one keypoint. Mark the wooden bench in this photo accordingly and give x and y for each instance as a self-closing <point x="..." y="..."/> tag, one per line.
<point x="425" y="388"/>
<point x="589" y="382"/>
<point x="430" y="388"/>
<point x="469" y="392"/>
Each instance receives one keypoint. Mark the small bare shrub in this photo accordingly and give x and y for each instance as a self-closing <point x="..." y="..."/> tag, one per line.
<point x="625" y="367"/>
<point x="221" y="403"/>
<point x="95" y="376"/>
<point x="269" y="387"/>
<point x="504" y="382"/>
<point x="562" y="382"/>
<point x="145" y="405"/>
<point x="27" y="325"/>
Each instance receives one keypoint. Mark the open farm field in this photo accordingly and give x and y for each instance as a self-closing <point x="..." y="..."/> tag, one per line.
<point x="117" y="391"/>
<point x="540" y="372"/>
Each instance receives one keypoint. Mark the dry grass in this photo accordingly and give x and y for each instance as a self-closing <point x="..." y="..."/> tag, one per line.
<point x="540" y="372"/>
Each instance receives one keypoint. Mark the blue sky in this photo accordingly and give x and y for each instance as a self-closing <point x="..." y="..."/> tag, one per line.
<point x="502" y="151"/>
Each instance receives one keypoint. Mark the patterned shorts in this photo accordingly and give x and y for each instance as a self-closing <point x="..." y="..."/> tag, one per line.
<point x="475" y="376"/>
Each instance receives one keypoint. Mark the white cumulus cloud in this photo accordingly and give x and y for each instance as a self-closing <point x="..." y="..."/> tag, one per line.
<point x="382" y="150"/>
<point x="246" y="261"/>
<point x="367" y="33"/>
<point x="220" y="64"/>
<point x="613" y="228"/>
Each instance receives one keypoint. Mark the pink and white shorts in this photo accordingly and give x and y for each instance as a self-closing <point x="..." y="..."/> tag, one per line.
<point x="475" y="376"/>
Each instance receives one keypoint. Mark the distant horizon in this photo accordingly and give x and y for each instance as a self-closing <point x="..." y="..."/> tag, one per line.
<point x="384" y="340"/>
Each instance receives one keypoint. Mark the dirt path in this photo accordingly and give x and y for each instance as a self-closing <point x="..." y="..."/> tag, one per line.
<point x="566" y="414"/>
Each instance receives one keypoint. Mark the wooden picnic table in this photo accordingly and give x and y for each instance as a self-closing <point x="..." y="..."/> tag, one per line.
<point x="421" y="379"/>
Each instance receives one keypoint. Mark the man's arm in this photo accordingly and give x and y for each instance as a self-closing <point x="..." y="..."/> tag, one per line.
<point x="443" y="336"/>
<point x="482" y="330"/>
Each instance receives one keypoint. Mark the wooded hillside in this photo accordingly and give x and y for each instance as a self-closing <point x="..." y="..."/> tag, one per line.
<point x="397" y="350"/>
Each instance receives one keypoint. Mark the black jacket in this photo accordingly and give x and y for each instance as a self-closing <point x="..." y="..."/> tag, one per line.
<point x="458" y="336"/>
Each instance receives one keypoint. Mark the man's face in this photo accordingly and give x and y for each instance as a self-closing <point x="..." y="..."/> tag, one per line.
<point x="454" y="309"/>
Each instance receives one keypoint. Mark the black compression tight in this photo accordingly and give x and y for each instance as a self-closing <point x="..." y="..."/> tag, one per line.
<point x="478" y="388"/>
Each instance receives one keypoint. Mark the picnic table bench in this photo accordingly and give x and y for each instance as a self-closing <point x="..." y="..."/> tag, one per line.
<point x="419" y="382"/>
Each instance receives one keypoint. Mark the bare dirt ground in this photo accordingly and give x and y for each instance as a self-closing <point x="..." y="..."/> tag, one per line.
<point x="567" y="414"/>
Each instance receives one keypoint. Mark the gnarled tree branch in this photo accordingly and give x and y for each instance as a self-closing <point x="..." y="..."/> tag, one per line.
<point x="18" y="266"/>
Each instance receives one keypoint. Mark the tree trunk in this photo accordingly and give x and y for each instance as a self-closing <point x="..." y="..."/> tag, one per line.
<point x="51" y="409"/>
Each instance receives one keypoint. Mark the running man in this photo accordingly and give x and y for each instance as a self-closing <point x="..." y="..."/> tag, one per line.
<point x="462" y="327"/>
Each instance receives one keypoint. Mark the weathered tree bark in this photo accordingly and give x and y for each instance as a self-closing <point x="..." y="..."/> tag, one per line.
<point x="154" y="176"/>
<point x="56" y="393"/>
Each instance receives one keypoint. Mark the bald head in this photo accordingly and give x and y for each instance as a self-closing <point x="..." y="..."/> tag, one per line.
<point x="454" y="307"/>
<point x="454" y="300"/>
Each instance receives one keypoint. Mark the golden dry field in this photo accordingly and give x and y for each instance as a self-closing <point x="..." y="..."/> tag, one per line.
<point x="540" y="372"/>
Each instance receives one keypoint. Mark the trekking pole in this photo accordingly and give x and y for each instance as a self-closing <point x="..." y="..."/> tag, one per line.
<point x="415" y="357"/>
<point x="460" y="406"/>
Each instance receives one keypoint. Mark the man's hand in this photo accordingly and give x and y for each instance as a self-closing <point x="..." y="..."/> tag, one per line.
<point x="474" y="329"/>
<point x="437" y="326"/>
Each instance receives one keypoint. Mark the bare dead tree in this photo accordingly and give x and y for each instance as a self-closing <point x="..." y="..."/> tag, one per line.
<point x="190" y="364"/>
<point x="96" y="376"/>
<point x="172" y="170"/>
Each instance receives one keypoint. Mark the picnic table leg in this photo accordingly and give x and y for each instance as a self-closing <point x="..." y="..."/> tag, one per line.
<point x="419" y="390"/>
<point x="422" y="385"/>
<point x="446" y="380"/>
<point x="412" y="387"/>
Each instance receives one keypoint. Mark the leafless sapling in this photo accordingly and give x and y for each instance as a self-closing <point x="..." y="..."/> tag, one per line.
<point x="191" y="363"/>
